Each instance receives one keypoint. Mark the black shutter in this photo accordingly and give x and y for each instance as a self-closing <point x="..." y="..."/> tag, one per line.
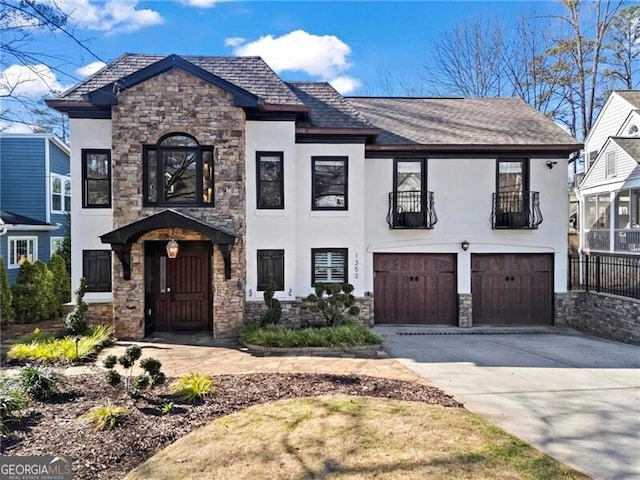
<point x="96" y="269"/>
<point x="270" y="269"/>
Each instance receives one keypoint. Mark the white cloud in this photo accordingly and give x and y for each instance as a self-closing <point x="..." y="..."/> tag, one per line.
<point x="345" y="84"/>
<point x="29" y="81"/>
<point x="234" y="41"/>
<point x="15" y="128"/>
<point x="90" y="69"/>
<point x="111" y="16"/>
<point x="323" y="56"/>
<point x="199" y="3"/>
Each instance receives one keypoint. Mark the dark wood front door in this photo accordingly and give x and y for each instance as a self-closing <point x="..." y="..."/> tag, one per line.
<point x="178" y="290"/>
<point x="512" y="289"/>
<point x="413" y="288"/>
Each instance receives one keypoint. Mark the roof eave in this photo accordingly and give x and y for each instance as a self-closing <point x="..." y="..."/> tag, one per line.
<point x="475" y="147"/>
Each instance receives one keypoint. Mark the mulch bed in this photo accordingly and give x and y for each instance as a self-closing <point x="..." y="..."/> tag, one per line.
<point x="53" y="428"/>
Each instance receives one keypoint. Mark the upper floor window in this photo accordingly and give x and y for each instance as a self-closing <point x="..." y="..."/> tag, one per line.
<point x="21" y="249"/>
<point x="270" y="180"/>
<point x="328" y="265"/>
<point x="610" y="166"/>
<point x="178" y="171"/>
<point x="591" y="157"/>
<point x="96" y="178"/>
<point x="329" y="179"/>
<point x="60" y="194"/>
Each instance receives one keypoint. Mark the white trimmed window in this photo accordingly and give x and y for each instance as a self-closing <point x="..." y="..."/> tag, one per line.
<point x="60" y="194"/>
<point x="329" y="265"/>
<point x="55" y="245"/>
<point x="21" y="249"/>
<point x="611" y="164"/>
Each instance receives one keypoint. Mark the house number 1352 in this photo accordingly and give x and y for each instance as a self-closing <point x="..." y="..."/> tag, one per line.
<point x="356" y="268"/>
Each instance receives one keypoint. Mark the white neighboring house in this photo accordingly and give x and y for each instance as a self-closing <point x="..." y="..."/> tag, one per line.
<point x="438" y="211"/>
<point x="609" y="193"/>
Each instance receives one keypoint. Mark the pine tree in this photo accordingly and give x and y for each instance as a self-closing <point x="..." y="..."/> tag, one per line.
<point x="61" y="282"/>
<point x="6" y="310"/>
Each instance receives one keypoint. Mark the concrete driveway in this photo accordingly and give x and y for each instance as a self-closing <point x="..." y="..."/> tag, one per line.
<point x="574" y="397"/>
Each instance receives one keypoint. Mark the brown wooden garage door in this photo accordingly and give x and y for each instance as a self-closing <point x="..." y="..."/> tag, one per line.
<point x="412" y="288"/>
<point x="512" y="289"/>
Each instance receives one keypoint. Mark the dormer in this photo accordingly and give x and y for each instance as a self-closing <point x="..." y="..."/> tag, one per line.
<point x="631" y="125"/>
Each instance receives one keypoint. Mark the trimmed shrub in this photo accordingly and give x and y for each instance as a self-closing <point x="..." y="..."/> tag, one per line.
<point x="274" y="309"/>
<point x="337" y="306"/>
<point x="39" y="383"/>
<point x="61" y="282"/>
<point x="27" y="306"/>
<point x="6" y="310"/>
<point x="76" y="321"/>
<point x="134" y="385"/>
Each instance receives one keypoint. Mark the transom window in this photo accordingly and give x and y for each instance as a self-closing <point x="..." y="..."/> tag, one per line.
<point x="328" y="265"/>
<point x="60" y="194"/>
<point x="270" y="180"/>
<point x="21" y="249"/>
<point x="329" y="178"/>
<point x="178" y="171"/>
<point x="96" y="178"/>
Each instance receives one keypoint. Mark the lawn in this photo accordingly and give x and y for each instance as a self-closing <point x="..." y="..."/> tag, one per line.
<point x="338" y="426"/>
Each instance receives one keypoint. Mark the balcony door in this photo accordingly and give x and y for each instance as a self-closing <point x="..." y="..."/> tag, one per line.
<point x="409" y="192"/>
<point x="512" y="185"/>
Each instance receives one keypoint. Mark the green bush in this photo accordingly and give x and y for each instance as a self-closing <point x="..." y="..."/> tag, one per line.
<point x="105" y="417"/>
<point x="76" y="321"/>
<point x="6" y="310"/>
<point x="192" y="387"/>
<point x="39" y="383"/>
<point x="150" y="377"/>
<point x="61" y="282"/>
<point x="57" y="350"/>
<point x="38" y="336"/>
<point x="27" y="306"/>
<point x="274" y="309"/>
<point x="11" y="402"/>
<point x="338" y="304"/>
<point x="44" y="282"/>
<point x="348" y="334"/>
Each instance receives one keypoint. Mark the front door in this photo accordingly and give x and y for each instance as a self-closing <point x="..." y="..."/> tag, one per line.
<point x="178" y="290"/>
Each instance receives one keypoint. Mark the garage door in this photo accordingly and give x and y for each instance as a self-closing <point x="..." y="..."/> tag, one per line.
<point x="512" y="289"/>
<point x="411" y="288"/>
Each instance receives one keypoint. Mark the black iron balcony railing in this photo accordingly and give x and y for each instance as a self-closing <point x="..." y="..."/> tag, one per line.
<point x="516" y="210"/>
<point x="413" y="209"/>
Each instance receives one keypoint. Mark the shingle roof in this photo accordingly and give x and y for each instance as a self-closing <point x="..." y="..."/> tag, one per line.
<point x="629" y="145"/>
<point x="250" y="73"/>
<point x="459" y="121"/>
<point x="631" y="96"/>
<point x="10" y="218"/>
<point x="329" y="109"/>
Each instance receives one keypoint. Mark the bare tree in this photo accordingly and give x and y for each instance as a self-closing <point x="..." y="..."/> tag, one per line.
<point x="624" y="45"/>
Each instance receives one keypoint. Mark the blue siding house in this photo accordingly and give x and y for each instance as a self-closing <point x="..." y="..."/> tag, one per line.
<point x="35" y="194"/>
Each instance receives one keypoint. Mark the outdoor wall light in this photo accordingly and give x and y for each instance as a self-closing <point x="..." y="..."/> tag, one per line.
<point x="172" y="248"/>
<point x="550" y="164"/>
<point x="465" y="245"/>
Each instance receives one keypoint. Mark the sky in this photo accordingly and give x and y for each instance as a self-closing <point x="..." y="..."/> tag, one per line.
<point x="356" y="46"/>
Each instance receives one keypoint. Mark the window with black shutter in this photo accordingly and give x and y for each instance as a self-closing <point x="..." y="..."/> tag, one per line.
<point x="270" y="269"/>
<point x="96" y="269"/>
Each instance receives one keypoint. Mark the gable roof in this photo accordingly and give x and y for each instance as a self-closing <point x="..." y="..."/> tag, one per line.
<point x="461" y="121"/>
<point x="629" y="145"/>
<point x="631" y="96"/>
<point x="249" y="73"/>
<point x="13" y="221"/>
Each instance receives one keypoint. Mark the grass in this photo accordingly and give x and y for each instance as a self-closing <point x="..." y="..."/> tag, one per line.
<point x="105" y="417"/>
<point x="53" y="350"/>
<point x="192" y="387"/>
<point x="341" y="336"/>
<point x="342" y="437"/>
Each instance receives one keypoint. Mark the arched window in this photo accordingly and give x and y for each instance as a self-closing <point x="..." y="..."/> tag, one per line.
<point x="178" y="171"/>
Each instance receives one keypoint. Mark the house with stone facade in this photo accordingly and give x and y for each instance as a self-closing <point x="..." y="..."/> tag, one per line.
<point x="445" y="211"/>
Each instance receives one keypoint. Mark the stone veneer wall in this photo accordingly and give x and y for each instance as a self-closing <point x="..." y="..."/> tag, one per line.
<point x="177" y="102"/>
<point x="294" y="316"/>
<point x="465" y="310"/>
<point x="603" y="315"/>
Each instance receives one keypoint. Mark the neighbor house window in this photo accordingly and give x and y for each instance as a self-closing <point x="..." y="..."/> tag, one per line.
<point x="55" y="244"/>
<point x="270" y="269"/>
<point x="96" y="179"/>
<point x="21" y="249"/>
<point x="60" y="194"/>
<point x="328" y="265"/>
<point x="611" y="164"/>
<point x="96" y="269"/>
<point x="591" y="157"/>
<point x="270" y="180"/>
<point x="329" y="179"/>
<point x="178" y="171"/>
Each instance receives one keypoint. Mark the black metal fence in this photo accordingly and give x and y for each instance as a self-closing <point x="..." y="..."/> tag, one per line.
<point x="615" y="274"/>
